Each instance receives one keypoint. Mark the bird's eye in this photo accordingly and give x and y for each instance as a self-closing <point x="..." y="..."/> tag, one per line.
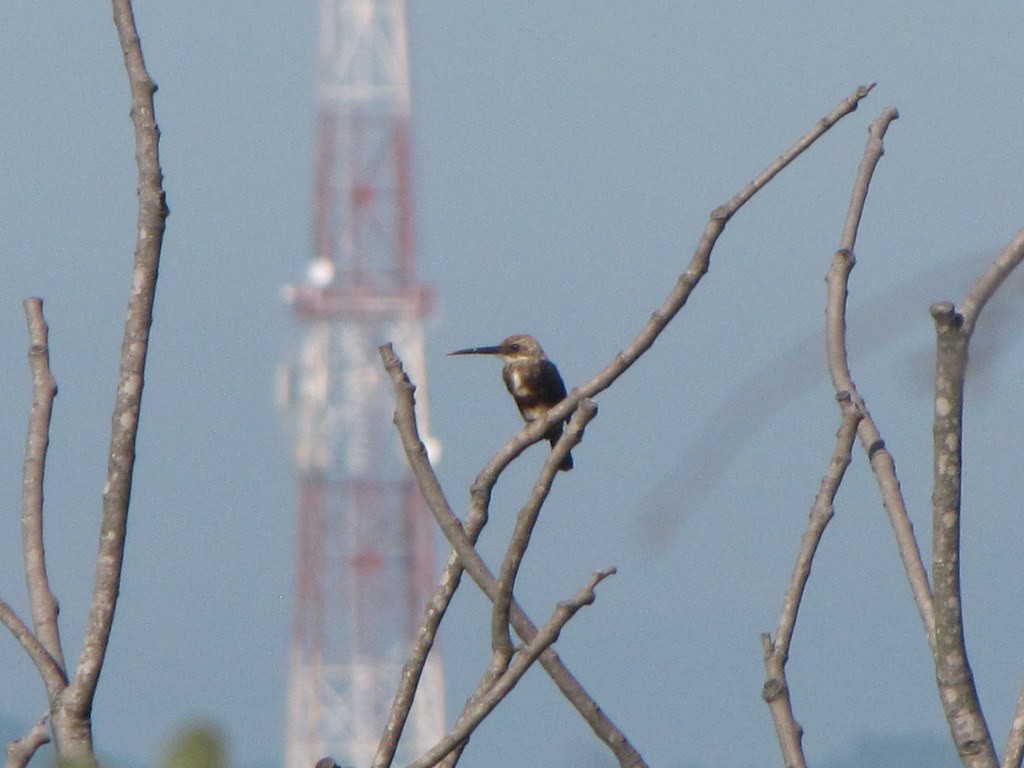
<point x="515" y="347"/>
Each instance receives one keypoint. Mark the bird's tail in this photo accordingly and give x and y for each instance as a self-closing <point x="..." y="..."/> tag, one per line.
<point x="566" y="464"/>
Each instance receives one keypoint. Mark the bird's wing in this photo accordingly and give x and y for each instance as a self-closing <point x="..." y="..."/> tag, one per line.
<point x="552" y="390"/>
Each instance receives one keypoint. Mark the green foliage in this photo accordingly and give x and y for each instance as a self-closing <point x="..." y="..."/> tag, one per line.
<point x="197" y="746"/>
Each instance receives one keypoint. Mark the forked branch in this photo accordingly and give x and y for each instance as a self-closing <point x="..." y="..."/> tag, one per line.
<point x="463" y="538"/>
<point x="20" y="751"/>
<point x="700" y="262"/>
<point x="882" y="463"/>
<point x="470" y="560"/>
<point x="525" y="521"/>
<point x="492" y="690"/>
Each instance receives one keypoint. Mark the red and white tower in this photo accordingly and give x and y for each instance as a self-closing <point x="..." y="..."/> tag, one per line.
<point x="365" y="552"/>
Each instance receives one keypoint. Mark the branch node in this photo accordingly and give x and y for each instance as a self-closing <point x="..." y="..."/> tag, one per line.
<point x="773" y="689"/>
<point x="844" y="258"/>
<point x="721" y="213"/>
<point x="945" y="315"/>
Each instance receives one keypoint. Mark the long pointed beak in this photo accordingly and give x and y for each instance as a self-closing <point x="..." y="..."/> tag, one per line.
<point x="477" y="351"/>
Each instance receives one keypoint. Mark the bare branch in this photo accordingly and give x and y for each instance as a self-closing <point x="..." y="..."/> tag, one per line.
<point x="489" y="695"/>
<point x="776" y="652"/>
<point x="49" y="670"/>
<point x="462" y="542"/>
<point x="412" y="670"/>
<point x="20" y="751"/>
<point x="71" y="727"/>
<point x="501" y="640"/>
<point x="869" y="160"/>
<point x="699" y="264"/>
<point x="44" y="389"/>
<point x="483" y="485"/>
<point x="882" y="463"/>
<point x="952" y="669"/>
<point x="990" y="280"/>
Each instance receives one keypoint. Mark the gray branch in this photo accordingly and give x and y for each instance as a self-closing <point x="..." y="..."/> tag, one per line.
<point x="463" y="538"/>
<point x="489" y="694"/>
<point x="44" y="390"/>
<point x="50" y="671"/>
<point x="700" y="262"/>
<point x="470" y="560"/>
<point x="70" y="715"/>
<point x="882" y="463"/>
<point x="953" y="674"/>
<point x="776" y="652"/>
<point x="20" y="751"/>
<point x="525" y="521"/>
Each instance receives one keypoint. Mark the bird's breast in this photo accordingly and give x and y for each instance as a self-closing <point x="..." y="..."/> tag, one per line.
<point x="518" y="385"/>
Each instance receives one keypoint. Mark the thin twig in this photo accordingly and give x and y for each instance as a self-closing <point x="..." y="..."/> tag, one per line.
<point x="490" y="694"/>
<point x="412" y="670"/>
<point x="501" y="641"/>
<point x="988" y="283"/>
<point x="20" y="751"/>
<point x="776" y="652"/>
<point x="44" y="390"/>
<point x="49" y="670"/>
<point x="462" y="542"/>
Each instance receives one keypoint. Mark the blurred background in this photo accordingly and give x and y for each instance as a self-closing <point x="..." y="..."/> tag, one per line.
<point x="566" y="157"/>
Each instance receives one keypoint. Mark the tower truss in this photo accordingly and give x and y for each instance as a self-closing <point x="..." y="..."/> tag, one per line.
<point x="365" y="554"/>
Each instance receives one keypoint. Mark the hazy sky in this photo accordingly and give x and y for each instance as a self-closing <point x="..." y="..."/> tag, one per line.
<point x="566" y="158"/>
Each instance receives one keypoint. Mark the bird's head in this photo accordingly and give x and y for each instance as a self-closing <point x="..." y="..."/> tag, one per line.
<point x="518" y="347"/>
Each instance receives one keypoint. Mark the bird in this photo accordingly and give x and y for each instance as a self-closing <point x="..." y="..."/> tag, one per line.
<point x="531" y="379"/>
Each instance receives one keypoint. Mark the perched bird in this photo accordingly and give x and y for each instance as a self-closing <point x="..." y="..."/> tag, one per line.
<point x="531" y="379"/>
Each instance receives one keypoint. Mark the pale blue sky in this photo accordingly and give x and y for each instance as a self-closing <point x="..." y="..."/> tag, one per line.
<point x="566" y="157"/>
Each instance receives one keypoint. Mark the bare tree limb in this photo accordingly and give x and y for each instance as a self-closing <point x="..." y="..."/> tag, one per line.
<point x="700" y="261"/>
<point x="490" y="694"/>
<point x="776" y="652"/>
<point x="480" y="492"/>
<point x="70" y="716"/>
<point x="44" y="389"/>
<point x="449" y="582"/>
<point x="405" y="421"/>
<point x="501" y="640"/>
<point x="20" y="751"/>
<point x="882" y="463"/>
<point x="869" y="160"/>
<point x="990" y="280"/>
<point x="49" y="670"/>
<point x="412" y="670"/>
<point x="952" y="668"/>
<point x="947" y="436"/>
